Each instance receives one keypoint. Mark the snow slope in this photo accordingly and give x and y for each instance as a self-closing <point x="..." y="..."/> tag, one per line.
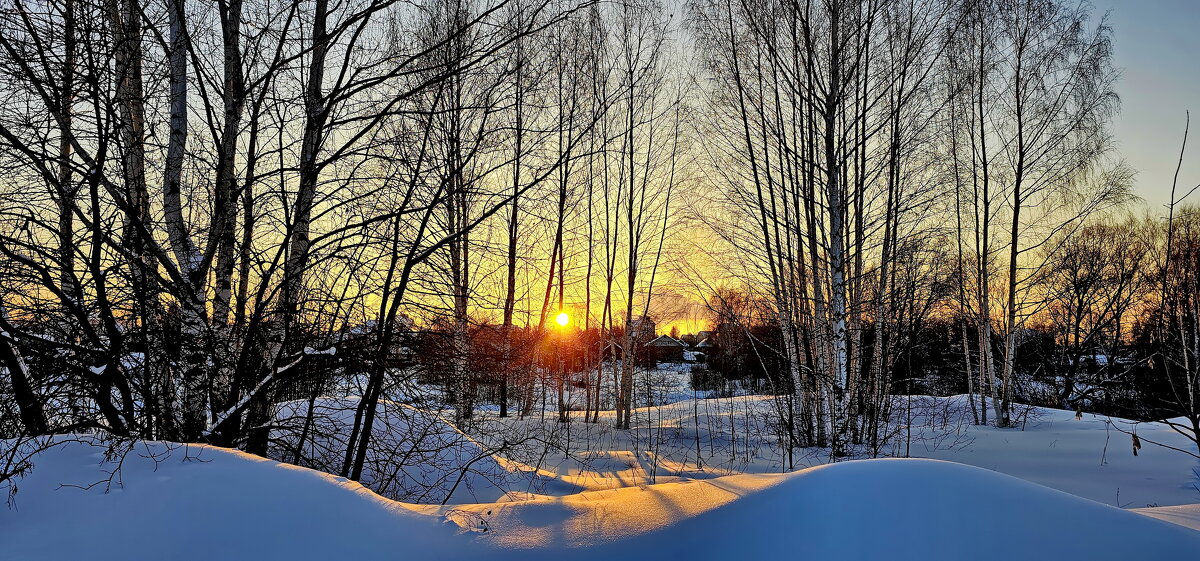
<point x="1183" y="515"/>
<point x="899" y="509"/>
<point x="211" y="503"/>
<point x="202" y="503"/>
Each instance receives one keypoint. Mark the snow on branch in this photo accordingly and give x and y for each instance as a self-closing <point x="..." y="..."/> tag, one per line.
<point x="279" y="371"/>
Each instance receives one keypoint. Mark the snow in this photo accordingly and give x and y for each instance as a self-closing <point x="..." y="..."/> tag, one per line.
<point x="201" y="502"/>
<point x="414" y="455"/>
<point x="705" y="438"/>
<point x="682" y="437"/>
<point x="1183" y="515"/>
<point x="899" y="509"/>
<point x="694" y="479"/>
<point x="1070" y="455"/>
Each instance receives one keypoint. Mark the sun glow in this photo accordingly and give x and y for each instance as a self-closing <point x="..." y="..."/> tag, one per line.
<point x="562" y="319"/>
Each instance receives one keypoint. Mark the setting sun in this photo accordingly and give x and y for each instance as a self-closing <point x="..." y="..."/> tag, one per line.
<point x="562" y="319"/>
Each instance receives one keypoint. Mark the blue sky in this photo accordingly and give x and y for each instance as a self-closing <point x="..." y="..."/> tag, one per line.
<point x="1157" y="48"/>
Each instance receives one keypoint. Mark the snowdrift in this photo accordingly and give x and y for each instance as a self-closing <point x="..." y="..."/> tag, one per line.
<point x="201" y="503"/>
<point x="210" y="503"/>
<point x="869" y="509"/>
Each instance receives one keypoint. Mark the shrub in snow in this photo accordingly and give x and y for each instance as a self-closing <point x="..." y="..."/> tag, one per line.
<point x="413" y="456"/>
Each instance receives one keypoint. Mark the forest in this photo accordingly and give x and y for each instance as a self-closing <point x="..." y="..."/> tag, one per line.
<point x="326" y="232"/>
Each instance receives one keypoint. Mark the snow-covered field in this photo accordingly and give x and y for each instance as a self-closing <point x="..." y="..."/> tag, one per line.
<point x="1090" y="457"/>
<point x="211" y="503"/>
<point x="694" y="479"/>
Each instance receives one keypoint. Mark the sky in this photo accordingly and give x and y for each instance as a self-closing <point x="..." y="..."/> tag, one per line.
<point x="1157" y="48"/>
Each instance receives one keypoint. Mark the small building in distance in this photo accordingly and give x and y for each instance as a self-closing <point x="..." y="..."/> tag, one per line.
<point x="689" y="348"/>
<point x="665" y="348"/>
<point x="702" y="347"/>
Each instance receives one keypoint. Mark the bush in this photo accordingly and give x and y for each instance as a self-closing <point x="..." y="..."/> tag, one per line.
<point x="705" y="380"/>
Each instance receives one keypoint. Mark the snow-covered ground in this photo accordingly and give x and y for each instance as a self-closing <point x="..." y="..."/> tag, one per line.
<point x="692" y="479"/>
<point x="895" y="509"/>
<point x="211" y="503"/>
<point x="199" y="503"/>
<point x="697" y="439"/>
<point x="1091" y="457"/>
<point x="414" y="455"/>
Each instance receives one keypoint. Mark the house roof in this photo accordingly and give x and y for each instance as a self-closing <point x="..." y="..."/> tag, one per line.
<point x="704" y="343"/>
<point x="665" y="341"/>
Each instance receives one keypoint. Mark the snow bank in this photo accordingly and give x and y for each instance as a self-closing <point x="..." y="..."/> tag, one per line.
<point x="211" y="503"/>
<point x="201" y="502"/>
<point x="870" y="509"/>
